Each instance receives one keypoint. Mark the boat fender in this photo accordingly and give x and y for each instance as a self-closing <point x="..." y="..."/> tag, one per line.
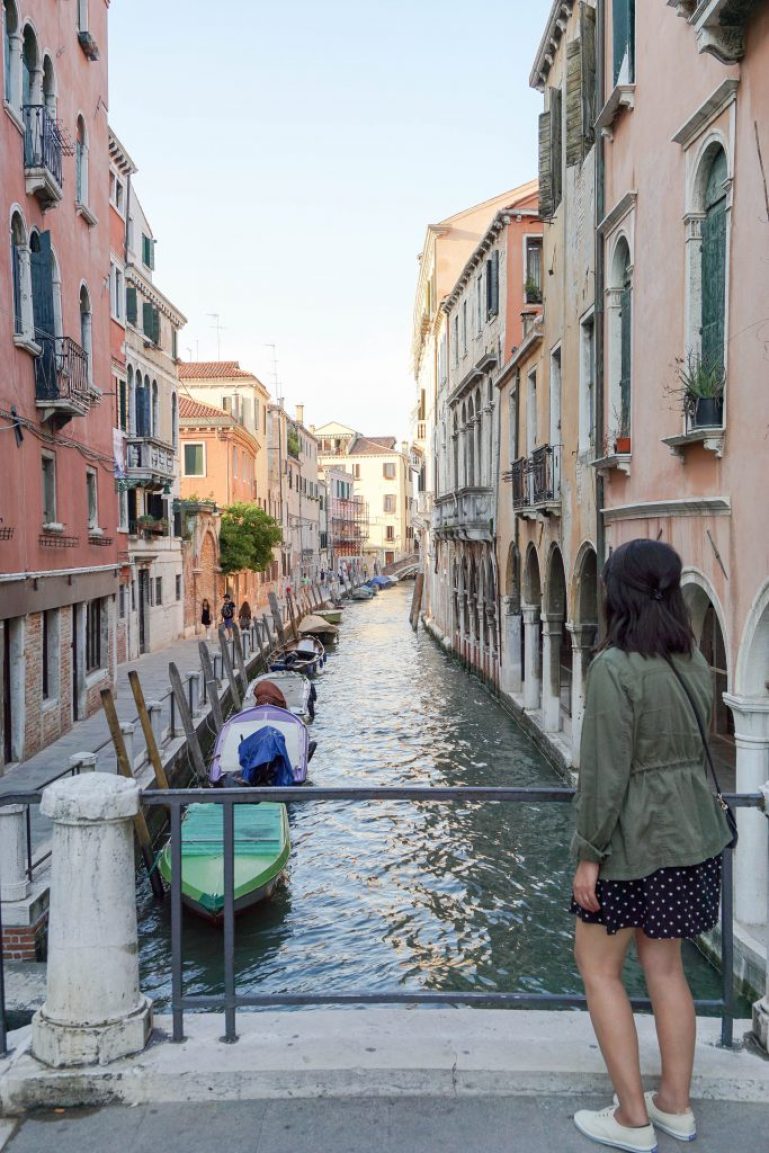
<point x="311" y="707"/>
<point x="311" y="750"/>
<point x="313" y="693"/>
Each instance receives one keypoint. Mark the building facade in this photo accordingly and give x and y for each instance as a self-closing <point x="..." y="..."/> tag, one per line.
<point x="685" y="354"/>
<point x="150" y="600"/>
<point x="381" y="473"/>
<point x="482" y="323"/>
<point x="58" y="506"/>
<point x="347" y="516"/>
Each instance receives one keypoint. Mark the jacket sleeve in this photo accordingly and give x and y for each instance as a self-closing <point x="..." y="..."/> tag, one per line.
<point x="606" y="755"/>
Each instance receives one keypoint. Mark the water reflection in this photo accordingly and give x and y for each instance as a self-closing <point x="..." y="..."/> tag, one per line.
<point x="378" y="896"/>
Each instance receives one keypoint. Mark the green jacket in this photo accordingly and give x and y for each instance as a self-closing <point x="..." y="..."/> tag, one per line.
<point x="644" y="800"/>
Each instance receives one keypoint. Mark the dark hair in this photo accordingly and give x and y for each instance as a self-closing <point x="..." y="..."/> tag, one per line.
<point x="645" y="609"/>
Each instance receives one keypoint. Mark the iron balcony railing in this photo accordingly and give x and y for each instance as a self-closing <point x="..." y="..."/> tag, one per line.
<point x="43" y="144"/>
<point x="536" y="480"/>
<point x="61" y="372"/>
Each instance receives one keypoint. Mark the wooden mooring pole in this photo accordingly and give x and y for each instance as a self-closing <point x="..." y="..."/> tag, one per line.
<point x="416" y="601"/>
<point x="227" y="662"/>
<point x="125" y="770"/>
<point x="275" y="609"/>
<point x="188" y="724"/>
<point x="153" y="752"/>
<point x="212" y="686"/>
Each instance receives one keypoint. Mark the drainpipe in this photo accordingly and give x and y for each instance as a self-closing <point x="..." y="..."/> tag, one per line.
<point x="599" y="280"/>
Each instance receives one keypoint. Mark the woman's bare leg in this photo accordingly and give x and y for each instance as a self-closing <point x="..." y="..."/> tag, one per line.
<point x="674" y="1018"/>
<point x="600" y="958"/>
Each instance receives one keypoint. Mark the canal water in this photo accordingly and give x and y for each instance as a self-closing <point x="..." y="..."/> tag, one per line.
<point x="396" y="895"/>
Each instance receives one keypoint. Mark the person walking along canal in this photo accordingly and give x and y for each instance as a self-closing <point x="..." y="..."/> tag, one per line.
<point x="649" y="839"/>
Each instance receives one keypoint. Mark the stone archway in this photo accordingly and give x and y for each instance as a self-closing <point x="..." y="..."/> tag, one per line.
<point x="511" y="626"/>
<point x="556" y="647"/>
<point x="584" y="633"/>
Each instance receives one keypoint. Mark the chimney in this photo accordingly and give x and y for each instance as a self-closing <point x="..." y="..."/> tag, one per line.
<point x="300" y="414"/>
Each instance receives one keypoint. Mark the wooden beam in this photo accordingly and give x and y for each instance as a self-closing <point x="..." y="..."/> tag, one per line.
<point x="212" y="685"/>
<point x="187" y="722"/>
<point x="153" y="753"/>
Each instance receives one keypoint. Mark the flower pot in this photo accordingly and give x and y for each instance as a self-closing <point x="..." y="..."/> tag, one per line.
<point x="708" y="412"/>
<point x="622" y="445"/>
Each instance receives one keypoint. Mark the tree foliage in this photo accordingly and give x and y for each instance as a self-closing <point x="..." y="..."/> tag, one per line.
<point x="248" y="536"/>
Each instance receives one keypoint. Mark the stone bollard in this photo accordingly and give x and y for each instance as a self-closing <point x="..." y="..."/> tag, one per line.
<point x="155" y="710"/>
<point x="193" y="691"/>
<point x="94" y="1011"/>
<point x="14" y="885"/>
<point x="128" y="730"/>
<point x="83" y="763"/>
<point x="761" y="1008"/>
<point x="245" y="639"/>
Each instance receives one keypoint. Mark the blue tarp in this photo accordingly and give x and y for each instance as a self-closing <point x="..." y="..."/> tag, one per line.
<point x="381" y="582"/>
<point x="262" y="751"/>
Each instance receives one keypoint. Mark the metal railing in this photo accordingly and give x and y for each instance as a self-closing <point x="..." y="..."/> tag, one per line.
<point x="518" y="477"/>
<point x="42" y="140"/>
<point x="61" y="372"/>
<point x="536" y="479"/>
<point x="230" y="1001"/>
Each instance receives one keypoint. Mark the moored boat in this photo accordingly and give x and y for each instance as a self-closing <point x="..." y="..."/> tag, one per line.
<point x="362" y="593"/>
<point x="227" y="757"/>
<point x="306" y="655"/>
<point x="299" y="693"/>
<point x="316" y="626"/>
<point x="261" y="851"/>
<point x="333" y="616"/>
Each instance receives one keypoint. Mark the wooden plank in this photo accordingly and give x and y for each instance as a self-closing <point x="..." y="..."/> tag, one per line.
<point x="277" y="617"/>
<point x="125" y="770"/>
<point x="227" y="662"/>
<point x="153" y="753"/>
<point x="212" y="685"/>
<point x="187" y="722"/>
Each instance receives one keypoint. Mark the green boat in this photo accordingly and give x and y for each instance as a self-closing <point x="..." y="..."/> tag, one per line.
<point x="262" y="848"/>
<point x="333" y="616"/>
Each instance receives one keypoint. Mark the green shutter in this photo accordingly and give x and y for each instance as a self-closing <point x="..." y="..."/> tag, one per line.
<point x="587" y="43"/>
<point x="556" y="113"/>
<point x="148" y="321"/>
<point x="156" y="325"/>
<point x="623" y="36"/>
<point x="573" y="103"/>
<point x="626" y="336"/>
<point x="714" y="266"/>
<point x="130" y="304"/>
<point x="545" y="170"/>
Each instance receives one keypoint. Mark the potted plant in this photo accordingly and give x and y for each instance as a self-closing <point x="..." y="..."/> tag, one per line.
<point x="702" y="390"/>
<point x="532" y="291"/>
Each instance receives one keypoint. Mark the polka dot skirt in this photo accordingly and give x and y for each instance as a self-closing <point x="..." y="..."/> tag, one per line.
<point x="669" y="903"/>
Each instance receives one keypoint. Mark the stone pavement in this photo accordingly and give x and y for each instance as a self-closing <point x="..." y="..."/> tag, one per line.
<point x="508" y="1124"/>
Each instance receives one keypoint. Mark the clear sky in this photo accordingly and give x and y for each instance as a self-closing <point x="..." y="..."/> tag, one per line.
<point x="290" y="156"/>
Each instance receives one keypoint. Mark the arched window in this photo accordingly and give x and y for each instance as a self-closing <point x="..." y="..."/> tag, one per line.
<point x="174" y="421"/>
<point x="31" y="73"/>
<point x="621" y="343"/>
<point x="58" y="319"/>
<point x="470" y="444"/>
<point x="131" y="388"/>
<point x="49" y="87"/>
<point x="86" y="336"/>
<point x="81" y="163"/>
<point x="23" y="325"/>
<point x="143" y="415"/>
<point x="713" y="257"/>
<point x="11" y="53"/>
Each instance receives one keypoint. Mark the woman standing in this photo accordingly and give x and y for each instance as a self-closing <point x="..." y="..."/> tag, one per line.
<point x="205" y="617"/>
<point x="244" y="617"/>
<point x="649" y="839"/>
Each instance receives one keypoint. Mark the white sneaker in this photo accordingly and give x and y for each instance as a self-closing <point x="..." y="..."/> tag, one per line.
<point x="679" y="1125"/>
<point x="601" y="1126"/>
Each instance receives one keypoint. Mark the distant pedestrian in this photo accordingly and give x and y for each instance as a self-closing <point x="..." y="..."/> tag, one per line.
<point x="322" y="576"/>
<point x="205" y="617"/>
<point x="244" y="617"/>
<point x="649" y="838"/>
<point x="228" y="612"/>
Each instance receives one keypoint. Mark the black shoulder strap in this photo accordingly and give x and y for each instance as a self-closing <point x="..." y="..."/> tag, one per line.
<point x="700" y="725"/>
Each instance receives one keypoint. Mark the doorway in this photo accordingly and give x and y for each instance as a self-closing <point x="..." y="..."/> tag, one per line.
<point x="144" y="616"/>
<point x="7" y="706"/>
<point x="75" y="664"/>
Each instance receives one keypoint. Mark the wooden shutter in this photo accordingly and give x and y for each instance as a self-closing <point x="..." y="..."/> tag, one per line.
<point x="545" y="169"/>
<point x="41" y="268"/>
<point x="556" y="113"/>
<point x="573" y="103"/>
<point x="494" y="271"/>
<point x="587" y="43"/>
<point x="714" y="267"/>
<point x="626" y="336"/>
<point x="130" y="304"/>
<point x="156" y="325"/>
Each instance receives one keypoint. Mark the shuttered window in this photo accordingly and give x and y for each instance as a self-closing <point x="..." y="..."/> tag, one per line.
<point x="148" y="251"/>
<point x="546" y="205"/>
<point x="623" y="41"/>
<point x="151" y="322"/>
<point x="131" y="304"/>
<point x="492" y="284"/>
<point x="580" y="90"/>
<point x="556" y="131"/>
<point x="714" y="265"/>
<point x="626" y="329"/>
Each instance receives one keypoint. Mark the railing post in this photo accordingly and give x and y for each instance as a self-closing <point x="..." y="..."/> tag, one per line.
<point x="155" y="710"/>
<point x="193" y="691"/>
<point x="14" y="885"/>
<point x="82" y="763"/>
<point x="129" y="730"/>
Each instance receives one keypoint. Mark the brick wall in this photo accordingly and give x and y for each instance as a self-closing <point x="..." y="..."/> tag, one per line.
<point x="25" y="943"/>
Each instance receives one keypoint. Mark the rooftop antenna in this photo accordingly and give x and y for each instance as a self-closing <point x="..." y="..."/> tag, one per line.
<point x="219" y="328"/>
<point x="275" y="381"/>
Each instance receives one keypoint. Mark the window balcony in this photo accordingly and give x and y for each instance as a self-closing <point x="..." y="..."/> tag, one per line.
<point x="536" y="482"/>
<point x="61" y="378"/>
<point x="467" y="514"/>
<point x="44" y="146"/>
<point x="150" y="463"/>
